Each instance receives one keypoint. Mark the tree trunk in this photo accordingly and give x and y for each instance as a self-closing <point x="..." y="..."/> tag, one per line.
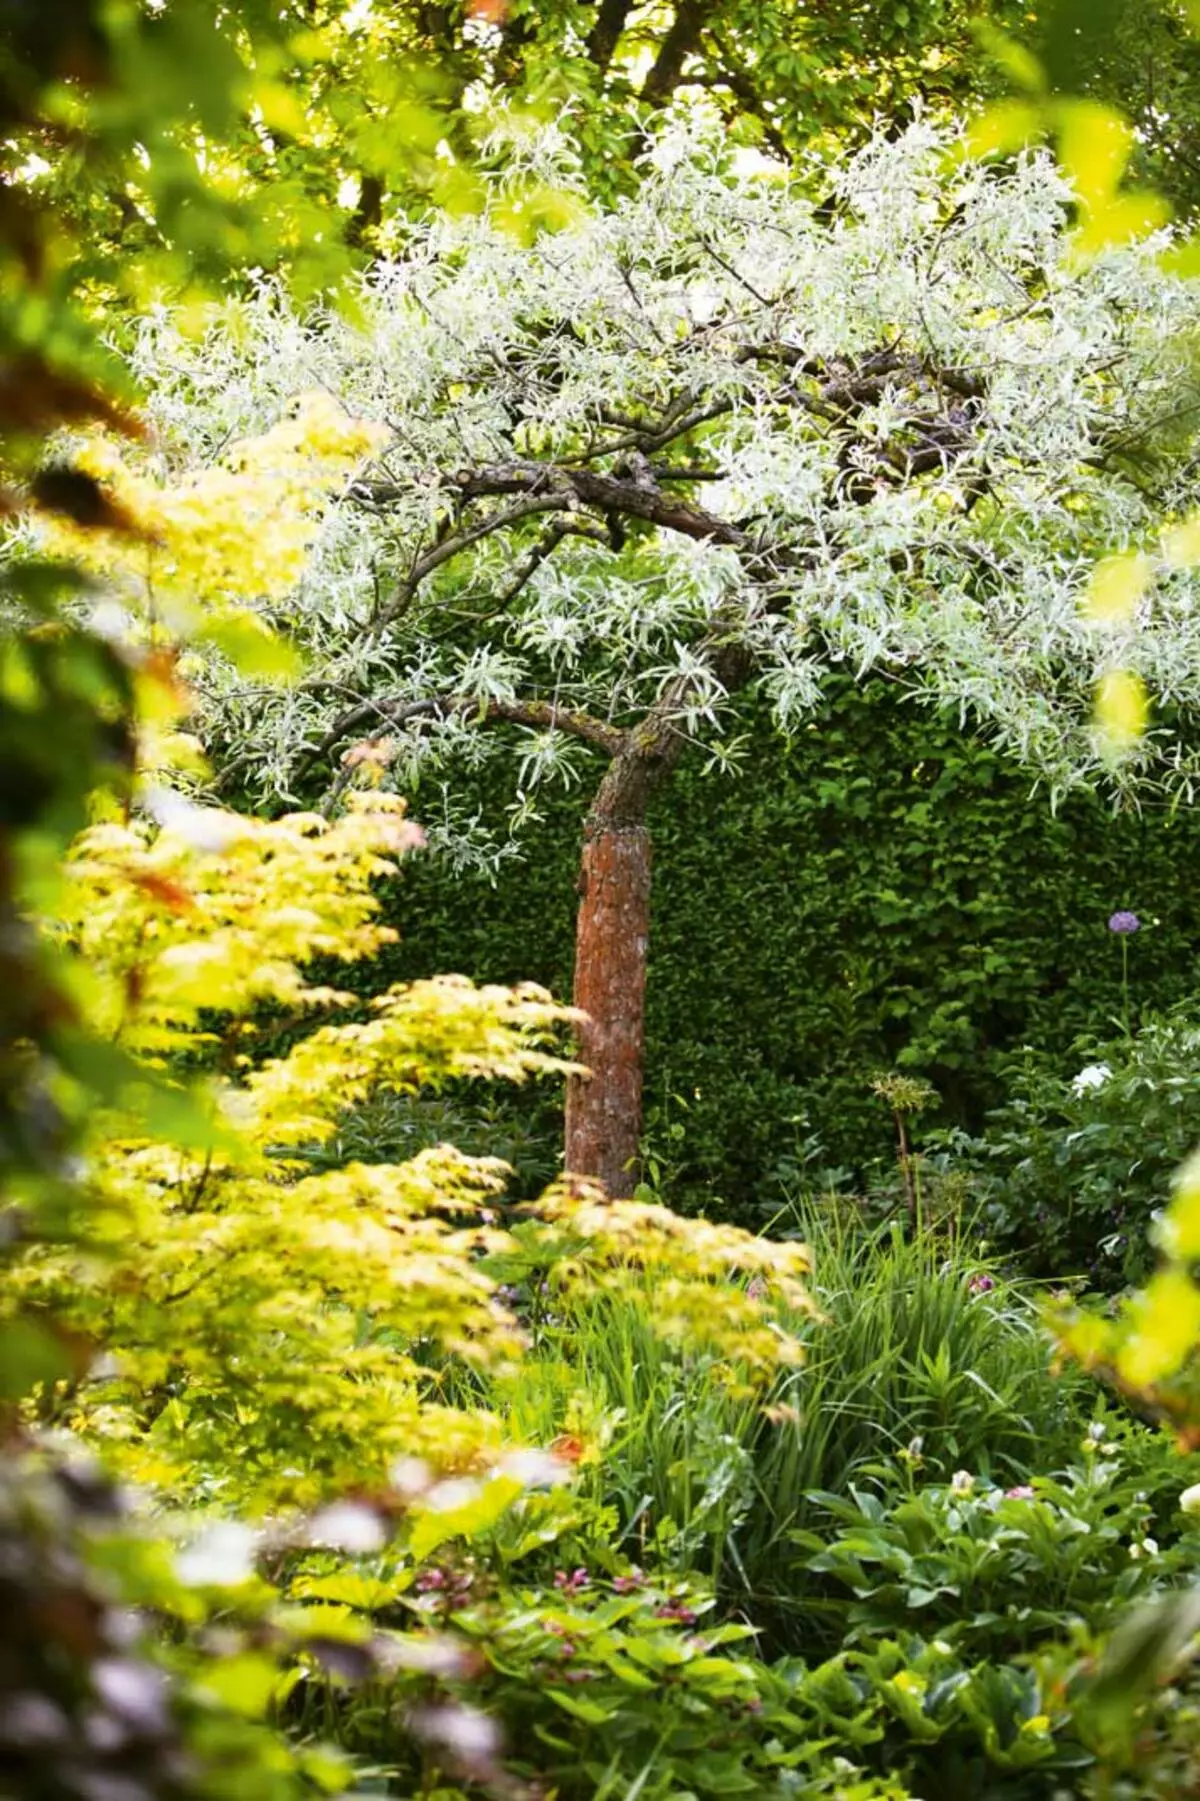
<point x="604" y="1110"/>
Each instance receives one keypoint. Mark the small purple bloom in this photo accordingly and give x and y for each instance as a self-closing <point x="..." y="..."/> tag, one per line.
<point x="981" y="1284"/>
<point x="625" y="1585"/>
<point x="1123" y="923"/>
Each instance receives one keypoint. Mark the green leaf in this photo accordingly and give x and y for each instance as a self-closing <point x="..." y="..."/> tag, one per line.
<point x="591" y="1712"/>
<point x="253" y="648"/>
<point x="30" y="1353"/>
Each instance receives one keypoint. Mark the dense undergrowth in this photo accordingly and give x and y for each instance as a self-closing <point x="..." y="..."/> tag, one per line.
<point x="448" y="1494"/>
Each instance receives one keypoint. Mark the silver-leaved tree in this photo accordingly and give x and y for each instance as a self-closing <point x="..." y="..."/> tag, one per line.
<point x="715" y="437"/>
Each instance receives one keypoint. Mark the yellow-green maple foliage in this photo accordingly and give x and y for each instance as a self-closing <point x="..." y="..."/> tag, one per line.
<point x="1150" y="1347"/>
<point x="275" y="1330"/>
<point x="185" y="551"/>
<point x="257" y="1317"/>
<point x="268" y="1328"/>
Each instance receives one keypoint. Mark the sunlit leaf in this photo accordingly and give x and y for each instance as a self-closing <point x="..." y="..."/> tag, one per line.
<point x="1116" y="586"/>
<point x="1122" y="710"/>
<point x="1008" y="125"/>
<point x="253" y="648"/>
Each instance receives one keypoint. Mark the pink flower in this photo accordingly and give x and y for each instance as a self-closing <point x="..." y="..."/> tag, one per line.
<point x="675" y="1610"/>
<point x="1022" y="1492"/>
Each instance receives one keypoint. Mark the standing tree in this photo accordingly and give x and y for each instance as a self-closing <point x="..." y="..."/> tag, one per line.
<point x="711" y="438"/>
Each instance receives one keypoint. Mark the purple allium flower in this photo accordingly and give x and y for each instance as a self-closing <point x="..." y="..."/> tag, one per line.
<point x="981" y="1284"/>
<point x="1123" y="923"/>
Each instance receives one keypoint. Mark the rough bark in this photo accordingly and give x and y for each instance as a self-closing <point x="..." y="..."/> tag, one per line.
<point x="604" y="1109"/>
<point x="612" y="934"/>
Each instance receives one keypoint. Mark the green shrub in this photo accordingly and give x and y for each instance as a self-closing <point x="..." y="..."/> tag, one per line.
<point x="920" y="1340"/>
<point x="996" y="1571"/>
<point x="962" y="1607"/>
<point x="883" y="892"/>
<point x="1072" y="1169"/>
<point x="959" y="1614"/>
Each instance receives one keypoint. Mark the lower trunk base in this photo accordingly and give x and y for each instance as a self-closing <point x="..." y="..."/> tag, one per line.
<point x="604" y="1110"/>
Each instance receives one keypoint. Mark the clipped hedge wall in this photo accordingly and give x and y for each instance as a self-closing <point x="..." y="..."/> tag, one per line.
<point x="882" y="892"/>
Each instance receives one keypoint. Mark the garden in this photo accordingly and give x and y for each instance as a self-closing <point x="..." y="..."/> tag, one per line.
<point x="599" y="789"/>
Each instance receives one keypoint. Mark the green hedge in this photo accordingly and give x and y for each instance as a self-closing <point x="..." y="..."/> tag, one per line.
<point x="882" y="892"/>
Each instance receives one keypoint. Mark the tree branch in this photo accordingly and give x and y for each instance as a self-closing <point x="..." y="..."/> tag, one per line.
<point x="459" y="541"/>
<point x="541" y="715"/>
<point x="839" y="392"/>
<point x="682" y="37"/>
<point x="639" y="500"/>
<point x="605" y="34"/>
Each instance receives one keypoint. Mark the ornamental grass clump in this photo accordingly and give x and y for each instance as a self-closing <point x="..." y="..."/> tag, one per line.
<point x="912" y="1343"/>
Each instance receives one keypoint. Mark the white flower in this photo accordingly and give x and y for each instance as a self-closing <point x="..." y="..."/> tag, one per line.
<point x="449" y="1496"/>
<point x="410" y="1477"/>
<point x="962" y="1483"/>
<point x="222" y="1557"/>
<point x="345" y="1526"/>
<point x="1189" y="1500"/>
<point x="464" y="1730"/>
<point x="534" y="1468"/>
<point x="1094" y="1076"/>
<point x="206" y="829"/>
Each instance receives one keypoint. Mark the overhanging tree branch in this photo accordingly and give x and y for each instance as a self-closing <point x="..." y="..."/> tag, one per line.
<point x="540" y="715"/>
<point x="637" y="499"/>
